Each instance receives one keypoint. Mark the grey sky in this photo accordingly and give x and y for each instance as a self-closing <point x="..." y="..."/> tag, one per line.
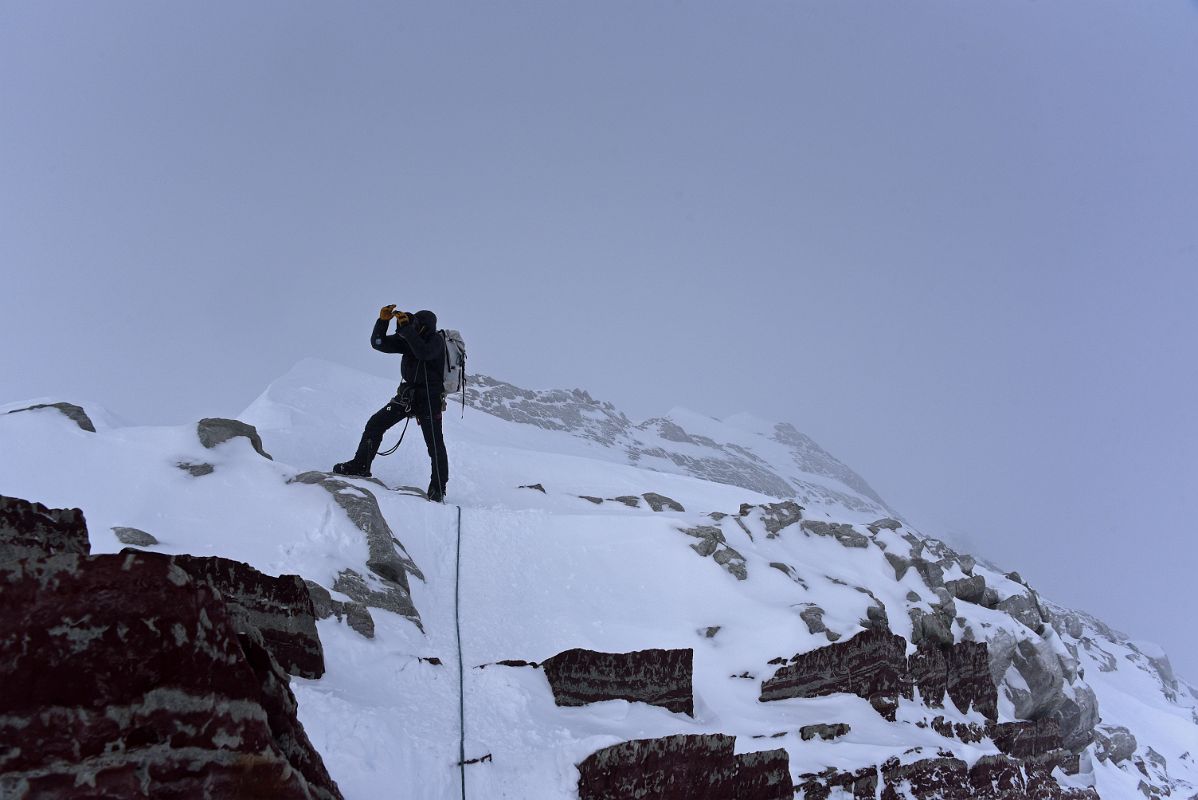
<point x="956" y="243"/>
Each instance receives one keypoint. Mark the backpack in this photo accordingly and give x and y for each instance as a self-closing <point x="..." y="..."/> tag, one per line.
<point x="455" y="363"/>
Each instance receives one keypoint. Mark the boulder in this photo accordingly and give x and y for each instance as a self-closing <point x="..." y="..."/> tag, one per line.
<point x="216" y="430"/>
<point x="657" y="677"/>
<point x="1025" y="608"/>
<point x="134" y="537"/>
<point x="970" y="590"/>
<point x="123" y="674"/>
<point x="73" y="412"/>
<point x="31" y="530"/>
<point x="377" y="593"/>
<point x="777" y="516"/>
<point x="712" y="543"/>
<point x="887" y="524"/>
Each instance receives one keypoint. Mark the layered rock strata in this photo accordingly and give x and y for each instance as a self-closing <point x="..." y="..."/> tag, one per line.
<point x="684" y="767"/>
<point x="657" y="677"/>
<point x="874" y="666"/>
<point x="123" y="674"/>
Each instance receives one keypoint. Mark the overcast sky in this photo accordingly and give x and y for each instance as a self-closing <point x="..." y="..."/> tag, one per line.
<point x="956" y="243"/>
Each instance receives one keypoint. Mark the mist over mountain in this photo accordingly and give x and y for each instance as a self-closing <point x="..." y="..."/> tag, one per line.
<point x="679" y="607"/>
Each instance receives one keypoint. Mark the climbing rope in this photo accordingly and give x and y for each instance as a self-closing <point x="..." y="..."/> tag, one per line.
<point x="457" y="621"/>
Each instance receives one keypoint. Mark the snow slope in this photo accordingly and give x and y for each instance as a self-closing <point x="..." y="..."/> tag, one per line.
<point x="543" y="572"/>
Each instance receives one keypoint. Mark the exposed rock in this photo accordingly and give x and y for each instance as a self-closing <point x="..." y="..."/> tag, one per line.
<point x="887" y="524"/>
<point x="630" y="500"/>
<point x="280" y="608"/>
<point x="534" y="486"/>
<point x="356" y="615"/>
<point x="1025" y="609"/>
<point x="934" y="627"/>
<point x="657" y="677"/>
<point x="913" y="597"/>
<point x="216" y="430"/>
<point x="595" y="500"/>
<point x="134" y="537"/>
<point x="845" y="534"/>
<point x="870" y="665"/>
<point x="712" y="543"/>
<point x="1114" y="743"/>
<point x="970" y="590"/>
<point x="684" y="767"/>
<point x="874" y="665"/>
<point x="384" y="595"/>
<point x="900" y="565"/>
<point x="824" y="731"/>
<point x="387" y="558"/>
<point x="659" y="502"/>
<point x="813" y="616"/>
<point x="931" y="572"/>
<point x="778" y="516"/>
<point x="30" y="530"/>
<point x="790" y="572"/>
<point x="123" y="674"/>
<point x="73" y="412"/>
<point x="709" y="633"/>
<point x="196" y="470"/>
<point x="1026" y="739"/>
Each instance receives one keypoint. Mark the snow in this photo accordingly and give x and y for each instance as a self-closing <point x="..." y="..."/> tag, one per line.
<point x="540" y="573"/>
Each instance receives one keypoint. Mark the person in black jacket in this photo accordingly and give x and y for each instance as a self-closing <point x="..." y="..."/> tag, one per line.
<point x="421" y="394"/>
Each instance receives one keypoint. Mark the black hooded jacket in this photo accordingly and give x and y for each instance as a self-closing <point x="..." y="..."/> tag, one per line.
<point x="423" y="351"/>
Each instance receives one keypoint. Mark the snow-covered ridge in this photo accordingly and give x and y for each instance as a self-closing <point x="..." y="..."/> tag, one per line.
<point x="727" y="572"/>
<point x="773" y="459"/>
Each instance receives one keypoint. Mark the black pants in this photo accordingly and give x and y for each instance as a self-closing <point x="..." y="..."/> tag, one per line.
<point x="430" y="425"/>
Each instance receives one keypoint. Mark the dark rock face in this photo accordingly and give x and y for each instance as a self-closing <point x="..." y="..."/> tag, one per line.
<point x="657" y="677"/>
<point x="970" y="590"/>
<point x="30" y="530"/>
<point x="659" y="502"/>
<point x="216" y="430"/>
<point x="871" y="665"/>
<point x="993" y="777"/>
<point x="134" y="537"/>
<point x="684" y="767"/>
<point x="874" y="665"/>
<point x="280" y="608"/>
<point x="73" y="412"/>
<point x="1026" y="739"/>
<point x="124" y="674"/>
<point x="823" y="731"/>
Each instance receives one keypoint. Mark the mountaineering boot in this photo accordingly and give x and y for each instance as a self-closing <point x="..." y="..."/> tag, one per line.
<point x="352" y="468"/>
<point x="436" y="492"/>
<point x="359" y="465"/>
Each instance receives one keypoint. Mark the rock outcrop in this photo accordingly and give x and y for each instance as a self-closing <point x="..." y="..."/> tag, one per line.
<point x="73" y="412"/>
<point x="387" y="558"/>
<point x="217" y="430"/>
<point x="134" y="537"/>
<point x="122" y="673"/>
<point x="279" y="608"/>
<point x="874" y="666"/>
<point x="657" y="677"/>
<point x="684" y="767"/>
<point x="30" y="530"/>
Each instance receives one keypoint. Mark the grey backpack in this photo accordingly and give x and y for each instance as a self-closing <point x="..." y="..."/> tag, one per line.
<point x="455" y="363"/>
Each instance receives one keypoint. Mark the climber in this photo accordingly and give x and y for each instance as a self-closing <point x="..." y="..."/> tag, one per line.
<point x="420" y="395"/>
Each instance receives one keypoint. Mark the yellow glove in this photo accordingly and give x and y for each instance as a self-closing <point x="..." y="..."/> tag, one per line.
<point x="402" y="318"/>
<point x="387" y="312"/>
